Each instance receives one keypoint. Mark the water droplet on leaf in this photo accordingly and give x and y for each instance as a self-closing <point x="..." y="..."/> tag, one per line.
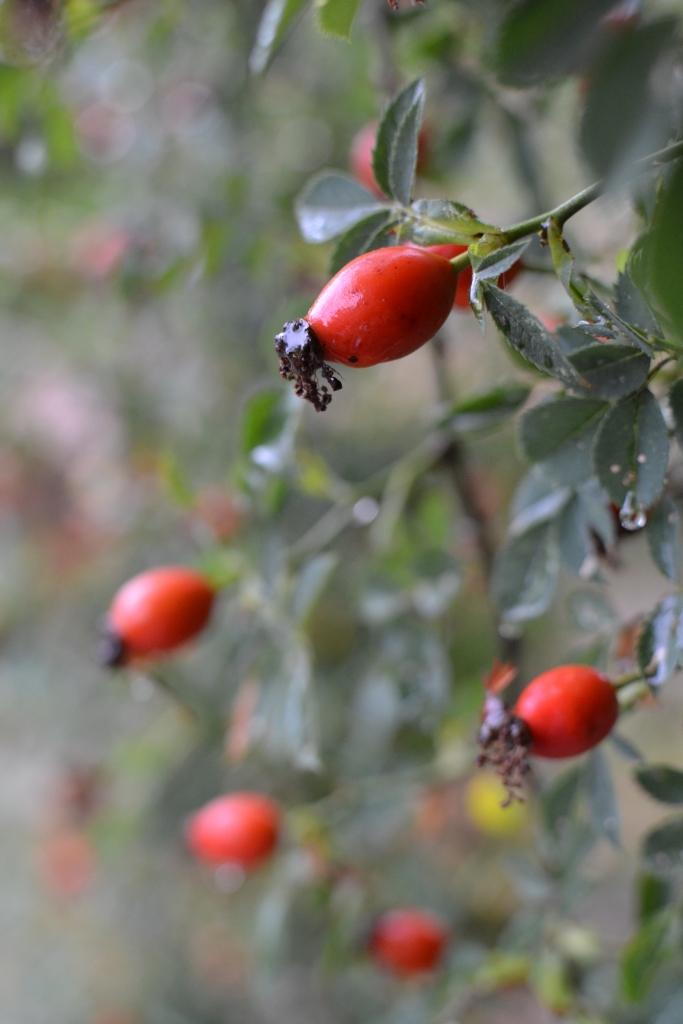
<point x="632" y="515"/>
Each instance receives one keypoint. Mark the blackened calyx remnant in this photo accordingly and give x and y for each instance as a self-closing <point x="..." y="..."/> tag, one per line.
<point x="505" y="741"/>
<point x="301" y="358"/>
<point x="111" y="651"/>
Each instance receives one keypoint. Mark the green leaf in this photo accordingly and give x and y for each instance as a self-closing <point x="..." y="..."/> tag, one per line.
<point x="527" y="335"/>
<point x="663" y="846"/>
<point x="590" y="611"/>
<point x="263" y="418"/>
<point x="607" y="317"/>
<point x="661" y="252"/>
<point x="336" y="17"/>
<point x="673" y="1011"/>
<point x="663" y="538"/>
<point x="661" y="640"/>
<point x="551" y="425"/>
<point x="559" y="800"/>
<point x="536" y="500"/>
<point x="486" y="410"/>
<point x="598" y="788"/>
<point x="570" y="465"/>
<point x="394" y="158"/>
<point x="310" y="584"/>
<point x="370" y="233"/>
<point x="403" y="165"/>
<point x="495" y="263"/>
<point x="440" y="222"/>
<point x="330" y="204"/>
<point x="662" y="782"/>
<point x="597" y="512"/>
<point x="571" y="339"/>
<point x="631" y="452"/>
<point x="546" y="507"/>
<point x="276" y="19"/>
<point x="525" y="574"/>
<point x="654" y="893"/>
<point x="576" y="547"/>
<point x="563" y="263"/>
<point x="490" y="267"/>
<point x="610" y="371"/>
<point x="621" y="83"/>
<point x="643" y="955"/>
<point x="676" y="406"/>
<point x="541" y="39"/>
<point x="630" y="304"/>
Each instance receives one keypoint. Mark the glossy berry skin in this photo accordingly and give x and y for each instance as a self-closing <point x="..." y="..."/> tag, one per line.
<point x="408" y="942"/>
<point x="462" y="291"/>
<point x="382" y="306"/>
<point x="240" y="828"/>
<point x="568" y="710"/>
<point x="156" y="612"/>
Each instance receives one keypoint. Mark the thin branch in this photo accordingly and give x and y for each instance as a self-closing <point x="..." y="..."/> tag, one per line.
<point x="572" y="206"/>
<point x="454" y="456"/>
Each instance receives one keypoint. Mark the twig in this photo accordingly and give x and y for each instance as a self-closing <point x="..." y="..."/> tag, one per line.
<point x="572" y="206"/>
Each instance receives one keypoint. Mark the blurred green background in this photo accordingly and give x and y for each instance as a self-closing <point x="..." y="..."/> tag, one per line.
<point x="148" y="254"/>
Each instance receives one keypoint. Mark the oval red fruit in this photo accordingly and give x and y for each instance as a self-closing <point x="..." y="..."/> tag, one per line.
<point x="156" y="612"/>
<point x="409" y="941"/>
<point x="568" y="710"/>
<point x="382" y="306"/>
<point x="240" y="828"/>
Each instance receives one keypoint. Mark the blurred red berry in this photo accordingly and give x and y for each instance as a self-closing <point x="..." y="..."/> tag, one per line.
<point x="156" y="612"/>
<point x="67" y="863"/>
<point x="409" y="941"/>
<point x="240" y="828"/>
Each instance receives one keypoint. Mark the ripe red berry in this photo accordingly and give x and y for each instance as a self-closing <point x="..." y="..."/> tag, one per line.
<point x="567" y="710"/>
<point x="462" y="291"/>
<point x="241" y="828"/>
<point x="381" y="306"/>
<point x="155" y="613"/>
<point x="408" y="941"/>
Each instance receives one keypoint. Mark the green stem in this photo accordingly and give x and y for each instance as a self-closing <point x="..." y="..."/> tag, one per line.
<point x="627" y="678"/>
<point x="655" y="370"/>
<point x="572" y="206"/>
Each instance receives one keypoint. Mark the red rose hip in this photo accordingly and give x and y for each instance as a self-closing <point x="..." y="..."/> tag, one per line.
<point x="155" y="613"/>
<point x="409" y="941"/>
<point x="379" y="307"/>
<point x="240" y="828"/>
<point x="568" y="710"/>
